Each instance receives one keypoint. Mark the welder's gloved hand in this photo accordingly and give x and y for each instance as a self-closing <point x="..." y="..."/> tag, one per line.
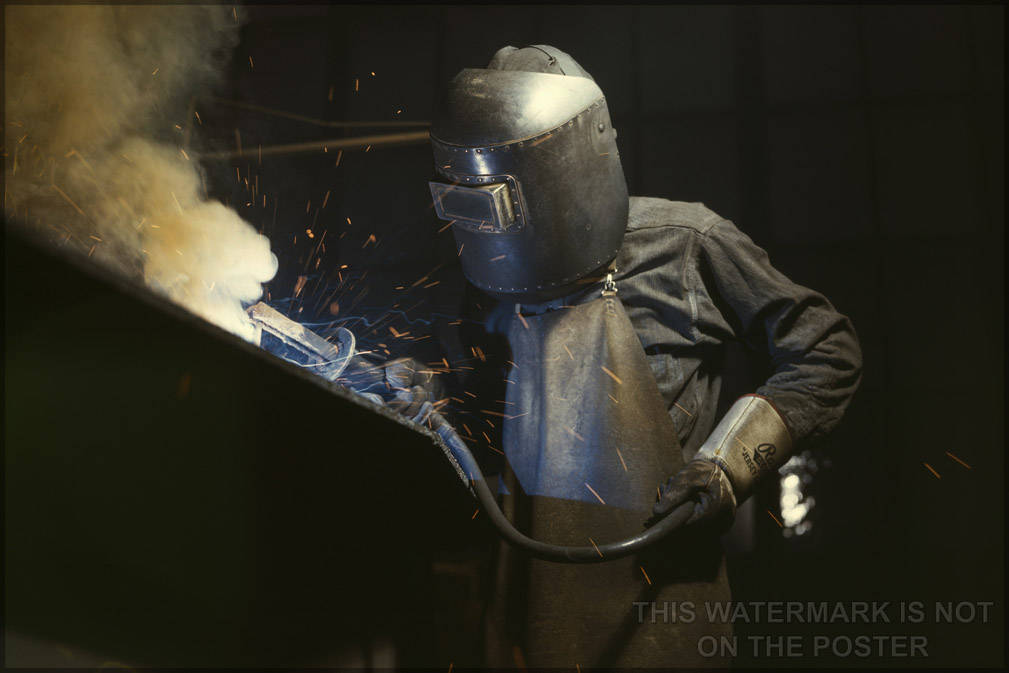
<point x="413" y="388"/>
<point x="704" y="483"/>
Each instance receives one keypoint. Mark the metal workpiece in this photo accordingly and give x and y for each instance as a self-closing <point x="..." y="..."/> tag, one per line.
<point x="291" y="341"/>
<point x="749" y="442"/>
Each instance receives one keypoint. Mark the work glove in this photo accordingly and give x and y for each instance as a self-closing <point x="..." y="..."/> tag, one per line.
<point x="412" y="388"/>
<point x="707" y="486"/>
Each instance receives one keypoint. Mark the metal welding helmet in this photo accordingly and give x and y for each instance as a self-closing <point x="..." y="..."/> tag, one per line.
<point x="529" y="174"/>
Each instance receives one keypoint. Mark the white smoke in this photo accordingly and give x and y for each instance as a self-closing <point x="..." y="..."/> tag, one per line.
<point x="96" y="98"/>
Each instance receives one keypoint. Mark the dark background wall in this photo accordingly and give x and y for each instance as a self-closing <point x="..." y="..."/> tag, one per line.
<point x="863" y="147"/>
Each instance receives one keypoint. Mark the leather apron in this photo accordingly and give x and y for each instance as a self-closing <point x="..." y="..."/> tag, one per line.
<point x="588" y="440"/>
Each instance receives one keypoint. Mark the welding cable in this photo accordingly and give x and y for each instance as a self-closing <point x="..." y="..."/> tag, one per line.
<point x="550" y="552"/>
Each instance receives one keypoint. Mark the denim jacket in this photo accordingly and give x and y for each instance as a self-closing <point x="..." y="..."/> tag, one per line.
<point x="692" y="283"/>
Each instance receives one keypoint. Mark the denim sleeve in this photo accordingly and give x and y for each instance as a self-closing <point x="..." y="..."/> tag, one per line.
<point x="814" y="352"/>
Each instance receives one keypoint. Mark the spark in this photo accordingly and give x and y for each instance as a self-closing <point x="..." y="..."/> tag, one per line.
<point x="184" y="153"/>
<point x="958" y="460"/>
<point x="299" y="285"/>
<point x="339" y="155"/>
<point x="252" y="66"/>
<point x="357" y="84"/>
<point x="459" y="254"/>
<point x="155" y="72"/>
<point x="611" y="375"/>
<point x="647" y="578"/>
<point x="69" y="200"/>
<point x="200" y="121"/>
<point x="568" y="351"/>
<point x="572" y="431"/>
<point x="499" y="257"/>
<point x="621" y="457"/>
<point x="775" y="519"/>
<point x="932" y="470"/>
<point x="238" y="141"/>
<point x="325" y="199"/>
<point x="523" y="320"/>
<point x="349" y="222"/>
<point x="682" y="409"/>
<point x="594" y="493"/>
<point x="596" y="547"/>
<point x="615" y="401"/>
<point x="446" y="226"/>
<point x="469" y="393"/>
<point x="493" y="413"/>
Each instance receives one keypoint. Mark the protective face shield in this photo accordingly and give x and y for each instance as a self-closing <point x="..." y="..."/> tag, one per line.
<point x="530" y="174"/>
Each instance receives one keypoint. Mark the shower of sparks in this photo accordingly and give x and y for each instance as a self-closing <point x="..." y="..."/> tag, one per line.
<point x="958" y="460"/>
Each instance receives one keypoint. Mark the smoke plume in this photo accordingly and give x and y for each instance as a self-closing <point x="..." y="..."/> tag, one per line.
<point x="96" y="101"/>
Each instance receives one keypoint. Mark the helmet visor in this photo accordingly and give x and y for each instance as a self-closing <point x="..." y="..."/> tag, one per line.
<point x="485" y="208"/>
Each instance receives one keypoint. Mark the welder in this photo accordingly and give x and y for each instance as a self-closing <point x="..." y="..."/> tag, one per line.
<point x="618" y="312"/>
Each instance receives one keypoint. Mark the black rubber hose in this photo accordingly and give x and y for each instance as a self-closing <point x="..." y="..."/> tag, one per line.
<point x="551" y="552"/>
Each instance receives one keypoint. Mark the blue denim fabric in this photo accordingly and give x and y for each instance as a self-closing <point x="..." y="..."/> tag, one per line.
<point x="691" y="282"/>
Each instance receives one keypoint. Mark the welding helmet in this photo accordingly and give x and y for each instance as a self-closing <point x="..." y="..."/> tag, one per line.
<point x="528" y="174"/>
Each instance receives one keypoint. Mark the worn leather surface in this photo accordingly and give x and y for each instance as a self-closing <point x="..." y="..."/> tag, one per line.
<point x="581" y="389"/>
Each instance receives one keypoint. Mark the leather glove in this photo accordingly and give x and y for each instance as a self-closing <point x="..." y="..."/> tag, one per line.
<point x="707" y="485"/>
<point x="413" y="388"/>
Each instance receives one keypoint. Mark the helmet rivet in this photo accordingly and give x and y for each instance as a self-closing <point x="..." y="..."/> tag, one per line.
<point x="601" y="127"/>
